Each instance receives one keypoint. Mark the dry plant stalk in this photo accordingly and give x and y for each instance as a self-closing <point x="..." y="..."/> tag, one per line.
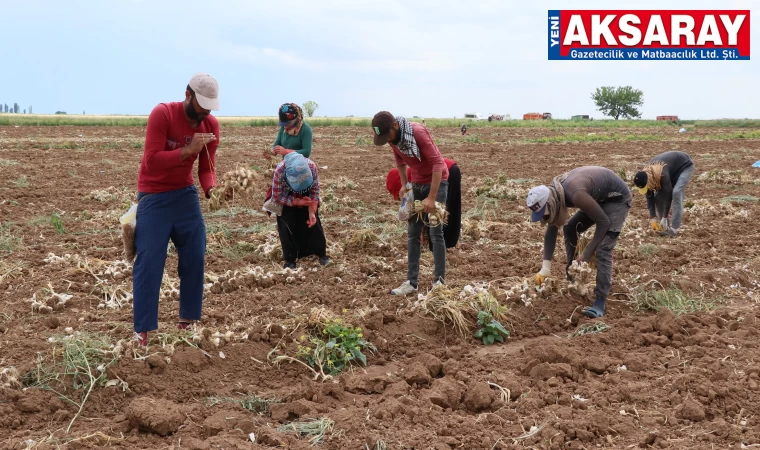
<point x="362" y="237"/>
<point x="445" y="305"/>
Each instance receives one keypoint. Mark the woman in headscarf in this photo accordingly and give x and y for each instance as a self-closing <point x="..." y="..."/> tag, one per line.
<point x="603" y="199"/>
<point x="295" y="189"/>
<point x="453" y="201"/>
<point x="294" y="134"/>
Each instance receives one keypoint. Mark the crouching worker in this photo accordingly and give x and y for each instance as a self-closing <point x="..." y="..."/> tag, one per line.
<point x="664" y="181"/>
<point x="453" y="201"/>
<point x="295" y="189"/>
<point x="604" y="199"/>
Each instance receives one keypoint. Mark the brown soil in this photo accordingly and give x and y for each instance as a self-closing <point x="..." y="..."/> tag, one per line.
<point x="653" y="379"/>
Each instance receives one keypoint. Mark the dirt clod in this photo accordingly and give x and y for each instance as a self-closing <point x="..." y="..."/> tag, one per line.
<point x="157" y="416"/>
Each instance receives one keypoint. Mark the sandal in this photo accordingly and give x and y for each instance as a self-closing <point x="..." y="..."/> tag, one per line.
<point x="592" y="312"/>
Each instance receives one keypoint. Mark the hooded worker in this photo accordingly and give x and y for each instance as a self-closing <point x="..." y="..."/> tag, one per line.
<point x="663" y="180"/>
<point x="604" y="199"/>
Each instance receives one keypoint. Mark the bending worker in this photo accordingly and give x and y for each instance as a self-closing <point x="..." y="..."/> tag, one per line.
<point x="604" y="199"/>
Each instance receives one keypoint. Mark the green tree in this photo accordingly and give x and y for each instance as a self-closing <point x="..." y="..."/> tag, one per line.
<point x="310" y="107"/>
<point x="618" y="102"/>
<point x="15" y="108"/>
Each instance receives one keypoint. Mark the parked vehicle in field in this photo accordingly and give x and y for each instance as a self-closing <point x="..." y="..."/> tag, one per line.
<point x="499" y="117"/>
<point x="580" y="117"/>
<point x="537" y="116"/>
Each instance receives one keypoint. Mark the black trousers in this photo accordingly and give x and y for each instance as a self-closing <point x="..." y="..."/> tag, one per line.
<point x="296" y="238"/>
<point x="454" y="206"/>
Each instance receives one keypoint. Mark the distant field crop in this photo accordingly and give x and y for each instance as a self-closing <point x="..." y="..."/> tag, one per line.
<point x="253" y="121"/>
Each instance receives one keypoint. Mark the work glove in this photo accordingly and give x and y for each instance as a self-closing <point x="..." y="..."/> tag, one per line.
<point x="664" y="224"/>
<point x="655" y="224"/>
<point x="545" y="271"/>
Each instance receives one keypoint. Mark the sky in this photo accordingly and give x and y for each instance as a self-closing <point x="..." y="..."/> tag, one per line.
<point x="426" y="58"/>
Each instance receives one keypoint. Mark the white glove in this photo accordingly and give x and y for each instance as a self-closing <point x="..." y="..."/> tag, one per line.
<point x="544" y="272"/>
<point x="665" y="224"/>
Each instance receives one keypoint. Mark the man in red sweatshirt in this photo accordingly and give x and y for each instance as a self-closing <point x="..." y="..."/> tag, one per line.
<point x="413" y="147"/>
<point x="178" y="134"/>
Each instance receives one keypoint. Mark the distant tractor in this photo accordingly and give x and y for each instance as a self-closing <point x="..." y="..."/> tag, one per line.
<point x="499" y="117"/>
<point x="547" y="116"/>
<point x="580" y="117"/>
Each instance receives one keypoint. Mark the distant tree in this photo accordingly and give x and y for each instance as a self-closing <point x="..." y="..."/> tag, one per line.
<point x="24" y="110"/>
<point x="60" y="112"/>
<point x="6" y="107"/>
<point x="310" y="107"/>
<point x="30" y="109"/>
<point x="15" y="108"/>
<point x="618" y="102"/>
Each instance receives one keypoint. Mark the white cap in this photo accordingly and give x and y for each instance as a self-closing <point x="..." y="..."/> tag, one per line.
<point x="537" y="198"/>
<point x="206" y="90"/>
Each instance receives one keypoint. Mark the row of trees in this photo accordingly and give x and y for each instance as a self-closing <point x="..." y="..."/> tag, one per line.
<point x="614" y="102"/>
<point x="13" y="109"/>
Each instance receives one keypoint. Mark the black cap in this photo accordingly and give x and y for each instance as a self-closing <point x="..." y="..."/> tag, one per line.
<point x="381" y="125"/>
<point x="640" y="179"/>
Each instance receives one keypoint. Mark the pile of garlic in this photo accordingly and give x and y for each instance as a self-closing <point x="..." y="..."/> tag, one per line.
<point x="239" y="181"/>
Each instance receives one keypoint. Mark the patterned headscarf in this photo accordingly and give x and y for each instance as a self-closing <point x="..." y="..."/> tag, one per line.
<point x="291" y="115"/>
<point x="654" y="175"/>
<point x="407" y="144"/>
<point x="298" y="173"/>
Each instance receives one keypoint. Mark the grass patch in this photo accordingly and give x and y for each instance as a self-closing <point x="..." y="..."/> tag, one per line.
<point x="21" y="182"/>
<point x="674" y="299"/>
<point x="740" y="198"/>
<point x="8" y="162"/>
<point x="315" y="429"/>
<point x="36" y="221"/>
<point x="9" y="241"/>
<point x="73" y="368"/>
<point x="647" y="249"/>
<point x="591" y="328"/>
<point x="252" y="403"/>
<point x="57" y="223"/>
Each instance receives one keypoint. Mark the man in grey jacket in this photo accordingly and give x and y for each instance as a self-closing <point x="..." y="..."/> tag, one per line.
<point x="664" y="181"/>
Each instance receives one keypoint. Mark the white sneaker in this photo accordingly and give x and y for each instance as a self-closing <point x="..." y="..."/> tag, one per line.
<point x="404" y="289"/>
<point x="437" y="283"/>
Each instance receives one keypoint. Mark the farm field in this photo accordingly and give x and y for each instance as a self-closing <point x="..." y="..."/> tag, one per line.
<point x="674" y="364"/>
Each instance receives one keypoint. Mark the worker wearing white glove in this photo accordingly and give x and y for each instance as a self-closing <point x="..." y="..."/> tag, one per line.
<point x="544" y="273"/>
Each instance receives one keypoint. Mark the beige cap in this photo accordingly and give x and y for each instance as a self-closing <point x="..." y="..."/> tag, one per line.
<point x="206" y="90"/>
